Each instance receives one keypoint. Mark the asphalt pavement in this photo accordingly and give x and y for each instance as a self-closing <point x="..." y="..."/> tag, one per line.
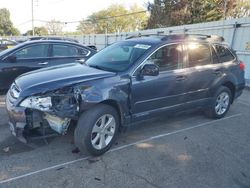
<point x="180" y="150"/>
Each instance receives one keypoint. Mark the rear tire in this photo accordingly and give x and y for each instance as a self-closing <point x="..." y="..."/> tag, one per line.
<point x="221" y="103"/>
<point x="97" y="130"/>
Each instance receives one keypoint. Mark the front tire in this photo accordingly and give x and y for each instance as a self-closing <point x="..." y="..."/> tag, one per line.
<point x="97" y="130"/>
<point x="221" y="103"/>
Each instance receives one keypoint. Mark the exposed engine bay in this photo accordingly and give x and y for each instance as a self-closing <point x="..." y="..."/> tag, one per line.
<point x="53" y="109"/>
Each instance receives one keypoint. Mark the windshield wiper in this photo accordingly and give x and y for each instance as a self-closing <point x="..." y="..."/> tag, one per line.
<point x="102" y="68"/>
<point x="97" y="67"/>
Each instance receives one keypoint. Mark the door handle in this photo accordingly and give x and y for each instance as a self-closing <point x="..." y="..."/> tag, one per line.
<point x="217" y="72"/>
<point x="181" y="78"/>
<point x="43" y="63"/>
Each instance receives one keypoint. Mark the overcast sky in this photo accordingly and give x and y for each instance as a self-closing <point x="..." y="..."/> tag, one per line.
<point x="62" y="10"/>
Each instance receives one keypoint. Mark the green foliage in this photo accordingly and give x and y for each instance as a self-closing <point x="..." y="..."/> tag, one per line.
<point x="111" y="20"/>
<point x="40" y="31"/>
<point x="242" y="9"/>
<point x="6" y="26"/>
<point x="166" y="13"/>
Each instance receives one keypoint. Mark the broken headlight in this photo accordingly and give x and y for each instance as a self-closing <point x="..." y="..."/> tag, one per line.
<point x="36" y="102"/>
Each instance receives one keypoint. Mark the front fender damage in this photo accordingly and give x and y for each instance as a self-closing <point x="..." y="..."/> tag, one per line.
<point x="64" y="108"/>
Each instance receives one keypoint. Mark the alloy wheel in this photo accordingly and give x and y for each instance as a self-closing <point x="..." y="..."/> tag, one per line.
<point x="222" y="103"/>
<point x="103" y="131"/>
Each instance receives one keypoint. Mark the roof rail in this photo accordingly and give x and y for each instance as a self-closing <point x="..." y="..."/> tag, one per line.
<point x="145" y="35"/>
<point x="206" y="37"/>
<point x="182" y="36"/>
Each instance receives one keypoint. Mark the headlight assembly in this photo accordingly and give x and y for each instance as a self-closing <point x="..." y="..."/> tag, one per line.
<point x="37" y="102"/>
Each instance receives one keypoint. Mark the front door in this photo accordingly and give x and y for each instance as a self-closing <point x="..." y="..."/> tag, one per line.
<point x="27" y="59"/>
<point x="157" y="93"/>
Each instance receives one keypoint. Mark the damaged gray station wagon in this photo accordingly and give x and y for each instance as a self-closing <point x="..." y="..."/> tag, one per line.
<point x="128" y="81"/>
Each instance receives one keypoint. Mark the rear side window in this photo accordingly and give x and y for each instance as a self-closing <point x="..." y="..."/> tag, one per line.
<point x="198" y="54"/>
<point x="68" y="51"/>
<point x="224" y="54"/>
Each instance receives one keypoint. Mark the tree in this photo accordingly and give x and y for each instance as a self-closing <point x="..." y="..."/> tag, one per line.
<point x="6" y="26"/>
<point x="166" y="13"/>
<point x="139" y="21"/>
<point x="114" y="19"/>
<point x="242" y="9"/>
<point x="86" y="27"/>
<point x="40" y="31"/>
<point x="55" y="27"/>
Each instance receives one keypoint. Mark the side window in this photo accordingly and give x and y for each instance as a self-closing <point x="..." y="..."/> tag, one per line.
<point x="83" y="52"/>
<point x="167" y="58"/>
<point x="224" y="54"/>
<point x="65" y="51"/>
<point x="198" y="54"/>
<point x="34" y="51"/>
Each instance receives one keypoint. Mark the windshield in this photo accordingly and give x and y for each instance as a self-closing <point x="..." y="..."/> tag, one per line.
<point x="118" y="57"/>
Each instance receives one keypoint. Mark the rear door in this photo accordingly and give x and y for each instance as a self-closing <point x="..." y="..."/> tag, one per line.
<point x="28" y="58"/>
<point x="66" y="53"/>
<point x="203" y="71"/>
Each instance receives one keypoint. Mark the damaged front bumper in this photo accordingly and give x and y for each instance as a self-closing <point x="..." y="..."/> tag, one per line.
<point x="23" y="121"/>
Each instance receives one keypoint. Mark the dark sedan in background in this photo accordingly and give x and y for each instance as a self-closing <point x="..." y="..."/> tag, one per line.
<point x="34" y="55"/>
<point x="5" y="44"/>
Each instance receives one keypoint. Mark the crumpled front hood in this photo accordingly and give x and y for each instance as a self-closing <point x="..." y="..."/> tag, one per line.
<point x="49" y="79"/>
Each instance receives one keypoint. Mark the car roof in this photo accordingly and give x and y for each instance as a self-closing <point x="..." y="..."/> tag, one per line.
<point x="54" y="42"/>
<point x="50" y="41"/>
<point x="146" y="40"/>
<point x="21" y="45"/>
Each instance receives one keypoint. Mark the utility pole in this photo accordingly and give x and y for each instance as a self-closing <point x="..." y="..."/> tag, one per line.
<point x="32" y="16"/>
<point x="225" y="9"/>
<point x="224" y="16"/>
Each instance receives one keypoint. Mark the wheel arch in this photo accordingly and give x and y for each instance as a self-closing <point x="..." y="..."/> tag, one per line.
<point x="116" y="106"/>
<point x="230" y="86"/>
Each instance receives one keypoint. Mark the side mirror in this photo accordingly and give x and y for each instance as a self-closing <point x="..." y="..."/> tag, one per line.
<point x="150" y="70"/>
<point x="11" y="58"/>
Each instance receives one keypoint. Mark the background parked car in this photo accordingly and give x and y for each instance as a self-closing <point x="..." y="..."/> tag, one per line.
<point x="5" y="44"/>
<point x="38" y="54"/>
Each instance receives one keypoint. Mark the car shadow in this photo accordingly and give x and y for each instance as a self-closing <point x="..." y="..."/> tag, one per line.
<point x="10" y="145"/>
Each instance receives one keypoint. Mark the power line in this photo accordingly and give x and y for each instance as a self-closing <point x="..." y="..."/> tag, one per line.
<point x="89" y="20"/>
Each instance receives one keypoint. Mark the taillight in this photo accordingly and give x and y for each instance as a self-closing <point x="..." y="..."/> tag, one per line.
<point x="242" y="66"/>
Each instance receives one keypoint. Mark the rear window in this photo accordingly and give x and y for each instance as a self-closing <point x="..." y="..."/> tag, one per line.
<point x="224" y="54"/>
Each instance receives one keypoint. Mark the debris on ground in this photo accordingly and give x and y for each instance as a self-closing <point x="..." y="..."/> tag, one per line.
<point x="6" y="149"/>
<point x="60" y="168"/>
<point x="76" y="150"/>
<point x="92" y="160"/>
<point x="98" y="179"/>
